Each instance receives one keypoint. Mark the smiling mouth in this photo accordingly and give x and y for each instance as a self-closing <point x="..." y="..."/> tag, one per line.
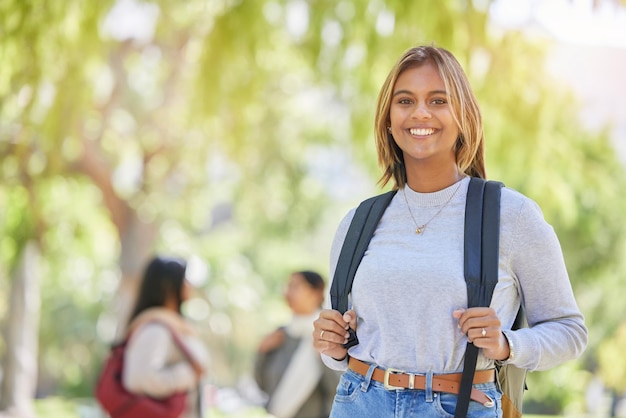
<point x="421" y="131"/>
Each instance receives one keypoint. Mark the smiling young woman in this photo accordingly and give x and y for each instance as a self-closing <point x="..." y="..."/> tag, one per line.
<point x="409" y="299"/>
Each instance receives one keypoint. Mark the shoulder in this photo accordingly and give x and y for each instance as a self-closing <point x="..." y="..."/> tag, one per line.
<point x="522" y="219"/>
<point x="515" y="205"/>
<point x="165" y="318"/>
<point x="148" y="341"/>
<point x="344" y="225"/>
<point x="154" y="331"/>
<point x="380" y="200"/>
<point x="346" y="220"/>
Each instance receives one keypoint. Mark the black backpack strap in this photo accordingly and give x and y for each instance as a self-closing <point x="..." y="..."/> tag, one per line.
<point x="360" y="232"/>
<point x="482" y="239"/>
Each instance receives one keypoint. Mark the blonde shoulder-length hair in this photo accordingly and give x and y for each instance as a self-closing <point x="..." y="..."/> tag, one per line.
<point x="470" y="144"/>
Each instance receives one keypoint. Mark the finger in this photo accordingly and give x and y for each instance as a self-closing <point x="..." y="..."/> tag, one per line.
<point x="490" y="338"/>
<point x="457" y="313"/>
<point x="477" y="318"/>
<point x="330" y="325"/>
<point x="477" y="335"/>
<point x="464" y="315"/>
<point x="482" y="333"/>
<point x="325" y="342"/>
<point x="331" y="333"/>
<point x="330" y="328"/>
<point x="332" y="315"/>
<point x="350" y="318"/>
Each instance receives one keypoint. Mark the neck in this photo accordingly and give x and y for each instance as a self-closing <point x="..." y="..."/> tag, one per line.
<point x="428" y="181"/>
<point x="171" y="304"/>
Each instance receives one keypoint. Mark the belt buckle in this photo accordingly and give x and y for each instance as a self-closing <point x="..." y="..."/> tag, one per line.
<point x="390" y="371"/>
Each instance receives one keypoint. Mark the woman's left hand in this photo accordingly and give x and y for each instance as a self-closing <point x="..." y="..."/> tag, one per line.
<point x="483" y="328"/>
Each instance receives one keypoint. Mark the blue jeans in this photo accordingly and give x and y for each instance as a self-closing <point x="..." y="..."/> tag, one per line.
<point x="360" y="396"/>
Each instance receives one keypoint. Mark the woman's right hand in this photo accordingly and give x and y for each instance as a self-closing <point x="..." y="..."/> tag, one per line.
<point x="330" y="332"/>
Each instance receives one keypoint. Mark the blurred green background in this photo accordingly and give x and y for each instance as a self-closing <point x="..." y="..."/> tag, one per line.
<point x="238" y="133"/>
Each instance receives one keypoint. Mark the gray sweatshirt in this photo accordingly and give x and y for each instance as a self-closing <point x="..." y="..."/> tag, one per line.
<point x="407" y="286"/>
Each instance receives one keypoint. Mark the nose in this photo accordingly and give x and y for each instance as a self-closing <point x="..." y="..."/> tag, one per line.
<point x="421" y="112"/>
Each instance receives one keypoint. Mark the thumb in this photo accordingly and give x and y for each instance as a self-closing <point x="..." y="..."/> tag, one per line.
<point x="350" y="318"/>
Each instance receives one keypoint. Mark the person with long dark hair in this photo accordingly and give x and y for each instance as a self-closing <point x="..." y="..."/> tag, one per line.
<point x="155" y="364"/>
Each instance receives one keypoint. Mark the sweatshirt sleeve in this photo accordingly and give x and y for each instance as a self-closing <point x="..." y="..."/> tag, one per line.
<point x="556" y="331"/>
<point x="148" y="365"/>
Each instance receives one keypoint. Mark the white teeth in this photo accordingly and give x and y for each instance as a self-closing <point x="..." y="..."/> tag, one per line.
<point x="421" y="132"/>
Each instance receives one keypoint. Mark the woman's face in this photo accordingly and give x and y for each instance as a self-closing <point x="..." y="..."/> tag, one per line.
<point x="422" y="123"/>
<point x="186" y="291"/>
<point x="301" y="297"/>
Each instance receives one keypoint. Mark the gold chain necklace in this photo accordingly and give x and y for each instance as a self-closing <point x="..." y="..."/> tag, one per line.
<point x="420" y="228"/>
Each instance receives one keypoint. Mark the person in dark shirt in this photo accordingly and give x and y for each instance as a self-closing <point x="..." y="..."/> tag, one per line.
<point x="287" y="367"/>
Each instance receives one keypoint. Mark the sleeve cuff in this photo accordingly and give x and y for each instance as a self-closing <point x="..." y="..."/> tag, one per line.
<point x="331" y="363"/>
<point x="511" y="357"/>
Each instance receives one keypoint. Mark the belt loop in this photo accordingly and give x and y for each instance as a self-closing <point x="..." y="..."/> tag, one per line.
<point x="368" y="378"/>
<point x="429" y="387"/>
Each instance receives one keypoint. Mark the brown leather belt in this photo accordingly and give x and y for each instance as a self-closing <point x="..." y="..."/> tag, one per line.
<point x="450" y="383"/>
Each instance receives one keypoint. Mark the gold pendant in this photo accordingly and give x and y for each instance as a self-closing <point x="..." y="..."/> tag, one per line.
<point x="419" y="229"/>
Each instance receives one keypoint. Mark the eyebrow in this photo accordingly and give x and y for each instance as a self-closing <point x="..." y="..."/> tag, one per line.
<point x="430" y="93"/>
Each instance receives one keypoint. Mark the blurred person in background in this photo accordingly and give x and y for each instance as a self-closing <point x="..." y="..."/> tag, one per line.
<point x="154" y="363"/>
<point x="287" y="367"/>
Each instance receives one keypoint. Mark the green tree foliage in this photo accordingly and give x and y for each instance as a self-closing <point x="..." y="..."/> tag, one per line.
<point x="240" y="131"/>
<point x="612" y="363"/>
